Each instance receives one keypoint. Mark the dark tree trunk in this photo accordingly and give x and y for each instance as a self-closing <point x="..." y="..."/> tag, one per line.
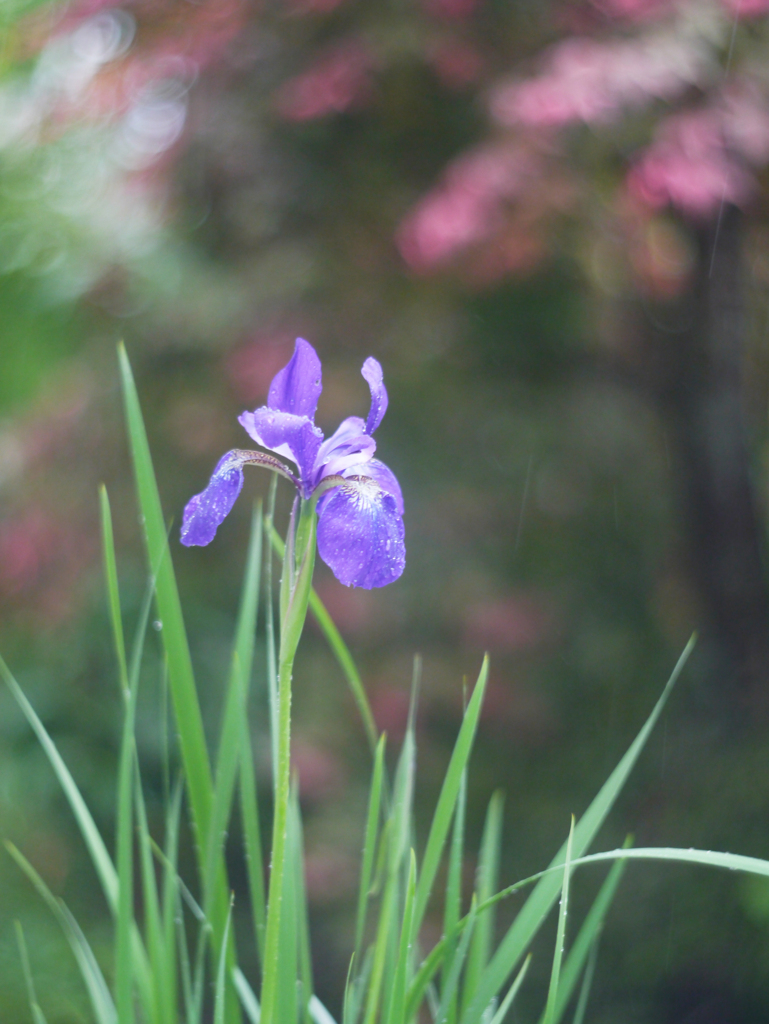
<point x="701" y="389"/>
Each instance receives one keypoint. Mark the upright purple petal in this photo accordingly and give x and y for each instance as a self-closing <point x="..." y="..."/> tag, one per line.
<point x="348" y="445"/>
<point x="294" y="437"/>
<point x="372" y="374"/>
<point x="360" y="535"/>
<point x="297" y="387"/>
<point x="208" y="509"/>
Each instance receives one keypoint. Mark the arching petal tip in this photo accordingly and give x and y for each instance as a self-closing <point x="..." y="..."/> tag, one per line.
<point x="371" y="372"/>
<point x="206" y="511"/>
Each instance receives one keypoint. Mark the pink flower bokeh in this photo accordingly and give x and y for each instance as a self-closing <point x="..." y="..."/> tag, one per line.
<point x="338" y="81"/>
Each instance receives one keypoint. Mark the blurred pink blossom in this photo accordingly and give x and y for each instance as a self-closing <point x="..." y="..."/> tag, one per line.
<point x="635" y="10"/>
<point x="592" y="81"/>
<point x="467" y="206"/>
<point x="698" y="159"/>
<point x="746" y="8"/>
<point x="27" y="544"/>
<point x="744" y="108"/>
<point x="335" y="83"/>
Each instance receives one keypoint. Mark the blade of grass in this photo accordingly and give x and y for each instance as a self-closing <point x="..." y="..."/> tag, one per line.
<point x="248" y="1000"/>
<point x="34" y="1008"/>
<point x="398" y="860"/>
<point x="507" y="1002"/>
<point x="586" y="939"/>
<point x="287" y="990"/>
<point x="153" y="926"/>
<point x="100" y="858"/>
<point x="369" y="842"/>
<point x="486" y="885"/>
<point x="587" y="981"/>
<point x="272" y="661"/>
<point x="189" y="721"/>
<point x="560" y="937"/>
<point x="302" y="919"/>
<point x="533" y="912"/>
<point x="220" y="989"/>
<point x="171" y="895"/>
<point x="453" y="907"/>
<point x="101" y="1000"/>
<point x="444" y="810"/>
<point x="380" y="951"/>
<point x="124" y="840"/>
<point x="398" y="999"/>
<point x="93" y="840"/>
<point x="451" y="976"/>
<point x="252" y="842"/>
<point x="318" y="1012"/>
<point x="342" y="654"/>
<point x="235" y="710"/>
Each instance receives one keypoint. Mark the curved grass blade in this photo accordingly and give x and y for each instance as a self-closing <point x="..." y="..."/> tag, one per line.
<point x="220" y="989"/>
<point x="342" y="654"/>
<point x="101" y="1000"/>
<point x="189" y="720"/>
<point x="252" y="841"/>
<point x="453" y="906"/>
<point x="444" y="811"/>
<point x="560" y="937"/>
<point x="537" y="906"/>
<point x="585" y="942"/>
<point x="587" y="981"/>
<point x="124" y="843"/>
<point x="398" y="995"/>
<point x="507" y="1002"/>
<point x="370" y="842"/>
<point x="451" y="980"/>
<point x="100" y="858"/>
<point x="486" y="885"/>
<point x="248" y="1000"/>
<point x="38" y="1016"/>
<point x="235" y="710"/>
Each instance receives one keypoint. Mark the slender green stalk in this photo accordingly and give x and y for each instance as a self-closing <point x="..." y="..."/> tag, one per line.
<point x="298" y="566"/>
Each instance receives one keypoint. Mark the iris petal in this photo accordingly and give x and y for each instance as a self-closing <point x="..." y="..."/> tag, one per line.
<point x="349" y="445"/>
<point x="383" y="476"/>
<point x="294" y="437"/>
<point x="372" y="374"/>
<point x="297" y="387"/>
<point x="208" y="509"/>
<point x="360" y="534"/>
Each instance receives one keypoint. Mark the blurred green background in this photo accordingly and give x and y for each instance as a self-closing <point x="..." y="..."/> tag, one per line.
<point x="577" y="418"/>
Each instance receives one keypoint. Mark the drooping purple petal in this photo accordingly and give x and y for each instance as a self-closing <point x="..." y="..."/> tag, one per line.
<point x="294" y="437"/>
<point x="348" y="445"/>
<point x="208" y="509"/>
<point x="297" y="387"/>
<point x="360" y="534"/>
<point x="372" y="374"/>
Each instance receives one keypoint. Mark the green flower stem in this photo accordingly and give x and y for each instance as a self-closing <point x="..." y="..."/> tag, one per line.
<point x="296" y="586"/>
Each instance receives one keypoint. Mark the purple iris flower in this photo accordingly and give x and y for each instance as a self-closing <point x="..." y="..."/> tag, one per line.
<point x="359" y="501"/>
